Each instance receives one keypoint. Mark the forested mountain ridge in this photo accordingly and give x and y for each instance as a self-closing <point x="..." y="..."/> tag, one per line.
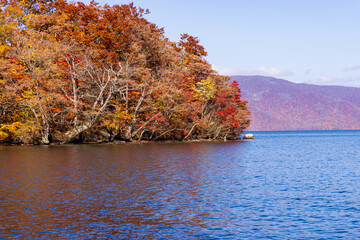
<point x="71" y="72"/>
<point x="277" y="104"/>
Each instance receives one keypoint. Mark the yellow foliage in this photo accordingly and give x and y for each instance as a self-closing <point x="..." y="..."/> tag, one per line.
<point x="120" y="113"/>
<point x="205" y="89"/>
<point x="3" y="136"/>
<point x="117" y="120"/>
<point x="11" y="128"/>
<point x="27" y="132"/>
<point x="4" y="49"/>
<point x="28" y="94"/>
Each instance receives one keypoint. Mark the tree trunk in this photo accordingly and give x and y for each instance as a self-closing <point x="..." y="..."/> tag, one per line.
<point x="190" y="131"/>
<point x="128" y="134"/>
<point x="72" y="134"/>
<point x="45" y="132"/>
<point x="45" y="138"/>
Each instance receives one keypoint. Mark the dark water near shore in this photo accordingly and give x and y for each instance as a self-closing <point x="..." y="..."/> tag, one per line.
<point x="281" y="185"/>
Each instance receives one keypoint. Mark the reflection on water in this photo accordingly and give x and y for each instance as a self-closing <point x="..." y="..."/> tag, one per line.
<point x="275" y="186"/>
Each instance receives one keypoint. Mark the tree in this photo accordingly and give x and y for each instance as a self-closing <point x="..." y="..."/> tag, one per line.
<point x="29" y="72"/>
<point x="73" y="72"/>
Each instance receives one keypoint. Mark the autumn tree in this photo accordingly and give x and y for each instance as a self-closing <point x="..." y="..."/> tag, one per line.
<point x="70" y="71"/>
<point x="29" y="70"/>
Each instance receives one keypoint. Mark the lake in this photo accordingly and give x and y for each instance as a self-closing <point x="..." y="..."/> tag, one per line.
<point x="280" y="185"/>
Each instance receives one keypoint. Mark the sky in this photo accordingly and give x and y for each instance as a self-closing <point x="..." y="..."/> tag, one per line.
<point x="303" y="41"/>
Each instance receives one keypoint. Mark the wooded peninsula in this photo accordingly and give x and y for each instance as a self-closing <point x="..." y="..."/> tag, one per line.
<point x="72" y="72"/>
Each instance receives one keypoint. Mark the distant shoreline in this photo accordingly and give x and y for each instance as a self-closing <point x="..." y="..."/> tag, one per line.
<point x="250" y="131"/>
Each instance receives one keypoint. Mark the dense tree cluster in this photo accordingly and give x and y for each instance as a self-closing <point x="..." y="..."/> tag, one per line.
<point x="74" y="72"/>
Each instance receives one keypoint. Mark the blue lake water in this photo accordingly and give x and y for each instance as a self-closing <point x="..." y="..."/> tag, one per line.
<point x="280" y="185"/>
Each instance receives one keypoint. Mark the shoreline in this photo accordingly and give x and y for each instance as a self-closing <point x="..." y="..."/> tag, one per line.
<point x="123" y="142"/>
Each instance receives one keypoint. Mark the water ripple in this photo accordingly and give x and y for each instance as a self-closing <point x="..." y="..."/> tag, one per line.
<point x="281" y="185"/>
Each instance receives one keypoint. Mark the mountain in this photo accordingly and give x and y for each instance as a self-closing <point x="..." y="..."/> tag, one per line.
<point x="278" y="104"/>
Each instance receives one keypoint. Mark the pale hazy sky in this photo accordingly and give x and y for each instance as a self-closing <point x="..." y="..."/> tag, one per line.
<point x="309" y="41"/>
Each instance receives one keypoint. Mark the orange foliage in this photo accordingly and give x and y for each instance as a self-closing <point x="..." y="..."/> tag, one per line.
<point x="67" y="69"/>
